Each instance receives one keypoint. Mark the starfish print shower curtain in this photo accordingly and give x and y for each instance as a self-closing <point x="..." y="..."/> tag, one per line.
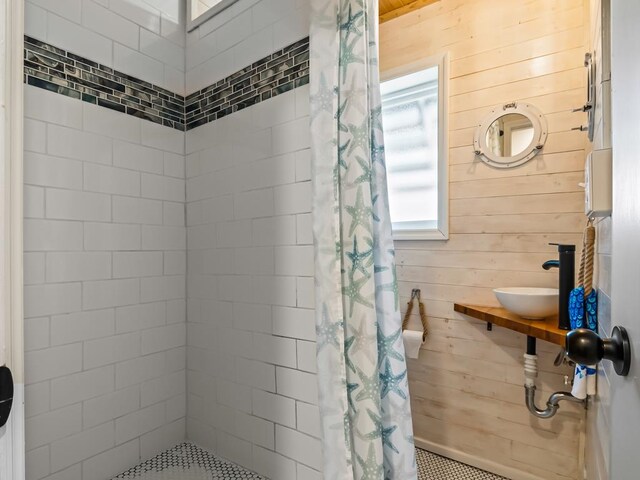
<point x="362" y="372"/>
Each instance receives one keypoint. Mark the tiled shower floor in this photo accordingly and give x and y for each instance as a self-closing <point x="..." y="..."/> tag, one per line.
<point x="187" y="462"/>
<point x="190" y="462"/>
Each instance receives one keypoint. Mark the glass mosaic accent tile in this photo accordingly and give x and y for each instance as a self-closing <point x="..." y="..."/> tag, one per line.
<point x="277" y="73"/>
<point x="187" y="462"/>
<point x="435" y="467"/>
<point x="60" y="71"/>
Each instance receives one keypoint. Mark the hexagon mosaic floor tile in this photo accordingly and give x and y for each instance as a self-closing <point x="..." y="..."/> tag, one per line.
<point x="435" y="467"/>
<point x="187" y="462"/>
<point x="190" y="462"/>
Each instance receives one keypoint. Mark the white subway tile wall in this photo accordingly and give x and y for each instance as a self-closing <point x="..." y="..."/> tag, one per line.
<point x="105" y="293"/>
<point x="112" y="228"/>
<point x="144" y="39"/>
<point x="240" y="35"/>
<point x="252" y="394"/>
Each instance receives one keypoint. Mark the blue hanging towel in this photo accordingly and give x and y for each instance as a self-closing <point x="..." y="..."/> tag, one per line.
<point x="583" y="314"/>
<point x="591" y="306"/>
<point x="576" y="308"/>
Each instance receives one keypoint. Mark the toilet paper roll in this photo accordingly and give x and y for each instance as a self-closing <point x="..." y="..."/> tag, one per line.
<point x="412" y="343"/>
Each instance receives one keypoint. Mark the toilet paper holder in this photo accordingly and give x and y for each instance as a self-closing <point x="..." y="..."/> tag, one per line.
<point x="415" y="294"/>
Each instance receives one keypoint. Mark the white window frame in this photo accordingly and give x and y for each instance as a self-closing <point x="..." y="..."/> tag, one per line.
<point x="441" y="232"/>
<point x="212" y="12"/>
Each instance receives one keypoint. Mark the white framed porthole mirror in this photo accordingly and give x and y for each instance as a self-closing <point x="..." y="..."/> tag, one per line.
<point x="510" y="135"/>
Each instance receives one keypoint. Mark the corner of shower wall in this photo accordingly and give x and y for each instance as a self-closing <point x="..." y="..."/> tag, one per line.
<point x="104" y="235"/>
<point x="252" y="394"/>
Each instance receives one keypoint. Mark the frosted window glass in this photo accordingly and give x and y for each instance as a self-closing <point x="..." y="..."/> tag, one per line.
<point x="410" y="121"/>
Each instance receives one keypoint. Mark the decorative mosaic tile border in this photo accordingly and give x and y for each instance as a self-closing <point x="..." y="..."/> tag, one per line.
<point x="60" y="71"/>
<point x="277" y="73"/>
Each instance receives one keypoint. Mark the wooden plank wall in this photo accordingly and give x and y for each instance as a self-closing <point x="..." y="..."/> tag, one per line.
<point x="468" y="398"/>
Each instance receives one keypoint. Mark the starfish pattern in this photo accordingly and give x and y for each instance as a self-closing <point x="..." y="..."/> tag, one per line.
<point x="380" y="431"/>
<point x="327" y="332"/>
<point x="385" y="346"/>
<point x="358" y="259"/>
<point x="355" y="96"/>
<point x="351" y="387"/>
<point x="403" y="416"/>
<point x="376" y="151"/>
<point x="360" y="213"/>
<point x="347" y="345"/>
<point x="359" y="136"/>
<point x="366" y="175"/>
<point x="380" y="268"/>
<point x="375" y="207"/>
<point x="390" y="382"/>
<point x="341" y="163"/>
<point x="376" y="118"/>
<point x="348" y="56"/>
<point x="351" y="24"/>
<point x="371" y="468"/>
<point x="346" y="421"/>
<point x="352" y="290"/>
<point x="370" y="387"/>
<point x="354" y="254"/>
<point x="322" y="99"/>
<point x="392" y="287"/>
<point x="363" y="342"/>
<point x="338" y="116"/>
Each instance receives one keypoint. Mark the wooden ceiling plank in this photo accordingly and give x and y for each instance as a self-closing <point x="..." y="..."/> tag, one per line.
<point x="401" y="7"/>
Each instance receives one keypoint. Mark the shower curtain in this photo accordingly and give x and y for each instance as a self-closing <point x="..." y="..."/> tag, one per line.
<point x="362" y="372"/>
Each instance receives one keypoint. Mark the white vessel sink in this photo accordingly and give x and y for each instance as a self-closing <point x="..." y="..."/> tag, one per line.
<point x="529" y="302"/>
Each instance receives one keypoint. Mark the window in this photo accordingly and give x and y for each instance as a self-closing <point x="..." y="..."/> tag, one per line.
<point x="415" y="136"/>
<point x="199" y="11"/>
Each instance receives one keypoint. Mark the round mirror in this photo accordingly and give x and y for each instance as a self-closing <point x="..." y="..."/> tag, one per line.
<point x="510" y="136"/>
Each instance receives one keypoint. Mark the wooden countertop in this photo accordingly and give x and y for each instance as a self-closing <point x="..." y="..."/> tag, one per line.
<point x="543" y="329"/>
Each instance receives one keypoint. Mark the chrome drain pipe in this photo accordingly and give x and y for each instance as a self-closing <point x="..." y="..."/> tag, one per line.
<point x="552" y="403"/>
<point x="530" y="375"/>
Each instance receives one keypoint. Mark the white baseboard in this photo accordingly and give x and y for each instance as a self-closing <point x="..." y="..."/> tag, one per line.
<point x="475" y="461"/>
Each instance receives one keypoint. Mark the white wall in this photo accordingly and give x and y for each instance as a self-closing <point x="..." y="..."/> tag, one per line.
<point x="105" y="250"/>
<point x="238" y="36"/>
<point x="143" y="38"/>
<point x="105" y="261"/>
<point x="252" y="391"/>
<point x="105" y="267"/>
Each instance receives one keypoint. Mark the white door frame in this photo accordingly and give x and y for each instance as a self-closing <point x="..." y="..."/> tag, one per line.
<point x="625" y="271"/>
<point x="12" y="450"/>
